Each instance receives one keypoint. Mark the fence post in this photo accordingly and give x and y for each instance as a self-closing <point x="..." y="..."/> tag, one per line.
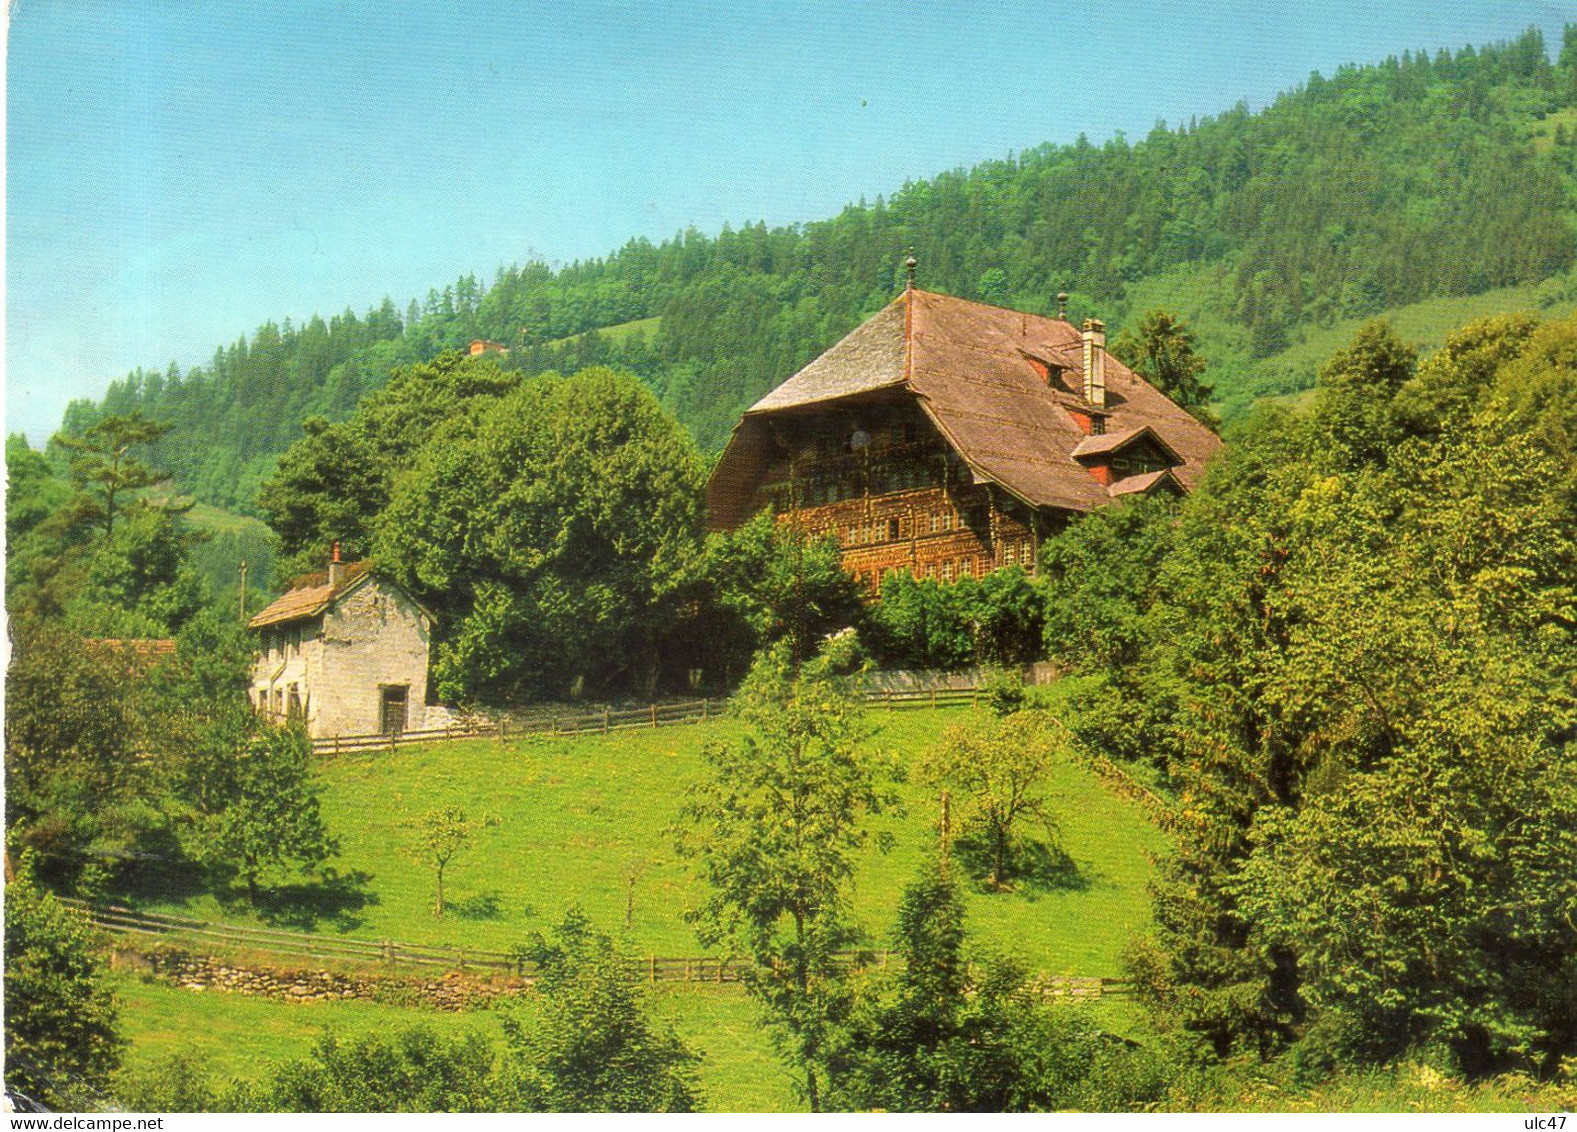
<point x="933" y="699"/>
<point x="604" y="720"/>
<point x="687" y="970"/>
<point x="653" y="962"/>
<point x="654" y="715"/>
<point x="889" y="699"/>
<point x="703" y="719"/>
<point x="336" y="746"/>
<point x="391" y="742"/>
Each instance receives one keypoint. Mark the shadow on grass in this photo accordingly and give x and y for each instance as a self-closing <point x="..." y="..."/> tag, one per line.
<point x="333" y="901"/>
<point x="482" y="906"/>
<point x="1038" y="867"/>
<point x="160" y="873"/>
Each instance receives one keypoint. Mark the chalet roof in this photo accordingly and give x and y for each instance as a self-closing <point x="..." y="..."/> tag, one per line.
<point x="1109" y="442"/>
<point x="1000" y="385"/>
<point x="309" y="595"/>
<point x="1142" y="484"/>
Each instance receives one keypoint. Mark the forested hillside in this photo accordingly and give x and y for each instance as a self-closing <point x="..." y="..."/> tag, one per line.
<point x="1427" y="175"/>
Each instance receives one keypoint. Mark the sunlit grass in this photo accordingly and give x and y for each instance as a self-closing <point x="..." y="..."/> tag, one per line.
<point x="579" y="817"/>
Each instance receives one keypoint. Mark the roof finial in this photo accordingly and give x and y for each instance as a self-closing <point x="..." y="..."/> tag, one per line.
<point x="909" y="266"/>
<point x="1062" y="305"/>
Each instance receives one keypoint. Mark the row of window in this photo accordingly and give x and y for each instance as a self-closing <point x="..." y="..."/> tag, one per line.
<point x="855" y="485"/>
<point x="277" y="644"/>
<point x="285" y="702"/>
<point x="892" y="530"/>
<point x="953" y="569"/>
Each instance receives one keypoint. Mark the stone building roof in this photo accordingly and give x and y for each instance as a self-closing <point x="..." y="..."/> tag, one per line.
<point x="1000" y="385"/>
<point x="309" y="595"/>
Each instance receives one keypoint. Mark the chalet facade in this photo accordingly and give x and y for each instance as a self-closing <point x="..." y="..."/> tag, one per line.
<point x="947" y="438"/>
<point x="345" y="652"/>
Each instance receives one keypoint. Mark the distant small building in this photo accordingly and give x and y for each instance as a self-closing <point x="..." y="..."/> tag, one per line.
<point x="138" y="651"/>
<point x="345" y="651"/>
<point x="483" y="346"/>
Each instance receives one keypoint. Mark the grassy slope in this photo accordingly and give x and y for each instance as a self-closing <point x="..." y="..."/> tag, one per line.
<point x="206" y="517"/>
<point x="240" y="1036"/>
<point x="578" y="814"/>
<point x="1288" y="374"/>
<point x="619" y="332"/>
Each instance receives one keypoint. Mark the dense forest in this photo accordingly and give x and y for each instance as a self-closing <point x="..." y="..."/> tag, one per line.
<point x="1427" y="175"/>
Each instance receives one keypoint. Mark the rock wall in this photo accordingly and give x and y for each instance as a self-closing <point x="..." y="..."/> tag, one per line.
<point x="452" y="991"/>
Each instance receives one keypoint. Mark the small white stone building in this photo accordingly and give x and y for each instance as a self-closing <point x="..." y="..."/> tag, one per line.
<point x="345" y="651"/>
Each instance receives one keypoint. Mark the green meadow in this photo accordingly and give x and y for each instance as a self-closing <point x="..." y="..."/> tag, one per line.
<point x="587" y="821"/>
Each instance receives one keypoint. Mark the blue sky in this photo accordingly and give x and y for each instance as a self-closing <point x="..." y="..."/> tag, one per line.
<point x="179" y="171"/>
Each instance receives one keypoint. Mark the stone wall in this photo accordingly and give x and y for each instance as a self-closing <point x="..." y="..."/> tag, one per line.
<point x="372" y="637"/>
<point x="453" y="991"/>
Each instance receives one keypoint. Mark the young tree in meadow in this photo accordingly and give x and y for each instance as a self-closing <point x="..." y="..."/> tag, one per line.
<point x="998" y="767"/>
<point x="438" y="837"/>
<point x="61" y="1041"/>
<point x="592" y="1046"/>
<point x="774" y="829"/>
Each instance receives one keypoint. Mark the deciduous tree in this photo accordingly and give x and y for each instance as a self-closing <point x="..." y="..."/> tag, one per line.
<point x="61" y="1043"/>
<point x="998" y="765"/>
<point x="592" y="1047"/>
<point x="773" y="830"/>
<point x="438" y="837"/>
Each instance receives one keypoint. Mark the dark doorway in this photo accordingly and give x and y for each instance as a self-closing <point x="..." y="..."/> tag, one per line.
<point x="396" y="702"/>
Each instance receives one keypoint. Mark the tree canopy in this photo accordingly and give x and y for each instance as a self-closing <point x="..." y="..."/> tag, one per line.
<point x="1353" y="660"/>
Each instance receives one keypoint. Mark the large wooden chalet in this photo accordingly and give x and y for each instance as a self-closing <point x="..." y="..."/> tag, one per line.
<point x="947" y="438"/>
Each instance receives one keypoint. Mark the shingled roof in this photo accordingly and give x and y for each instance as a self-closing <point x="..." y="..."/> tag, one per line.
<point x="309" y="595"/>
<point x="999" y="385"/>
<point x="146" y="649"/>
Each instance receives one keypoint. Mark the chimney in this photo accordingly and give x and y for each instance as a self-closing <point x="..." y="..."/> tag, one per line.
<point x="1095" y="362"/>
<point x="336" y="568"/>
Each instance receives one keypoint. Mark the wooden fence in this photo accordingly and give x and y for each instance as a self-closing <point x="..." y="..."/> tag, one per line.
<point x="651" y="968"/>
<point x="605" y="721"/>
